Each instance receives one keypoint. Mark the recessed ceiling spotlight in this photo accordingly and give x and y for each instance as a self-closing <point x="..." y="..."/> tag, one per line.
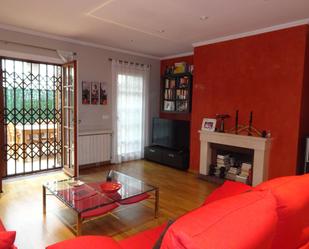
<point x="203" y="18"/>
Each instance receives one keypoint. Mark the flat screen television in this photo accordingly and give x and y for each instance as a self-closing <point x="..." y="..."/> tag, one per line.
<point x="174" y="134"/>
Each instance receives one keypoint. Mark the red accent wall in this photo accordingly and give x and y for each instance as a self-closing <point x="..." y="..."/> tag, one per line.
<point x="170" y="62"/>
<point x="263" y="74"/>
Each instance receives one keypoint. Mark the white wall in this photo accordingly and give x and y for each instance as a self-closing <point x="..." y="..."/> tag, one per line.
<point x="93" y="65"/>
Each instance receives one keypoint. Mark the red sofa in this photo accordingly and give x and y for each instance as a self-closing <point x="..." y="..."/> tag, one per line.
<point x="6" y="238"/>
<point x="273" y="215"/>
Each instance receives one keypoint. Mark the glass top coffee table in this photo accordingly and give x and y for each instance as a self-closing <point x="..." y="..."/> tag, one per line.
<point x="88" y="199"/>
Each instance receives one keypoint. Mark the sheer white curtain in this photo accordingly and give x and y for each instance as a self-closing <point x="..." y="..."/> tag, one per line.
<point x="130" y="110"/>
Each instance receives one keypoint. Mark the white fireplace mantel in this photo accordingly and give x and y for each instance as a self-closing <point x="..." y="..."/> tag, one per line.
<point x="259" y="145"/>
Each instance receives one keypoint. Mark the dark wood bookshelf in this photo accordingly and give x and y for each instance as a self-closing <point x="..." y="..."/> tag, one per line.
<point x="176" y="93"/>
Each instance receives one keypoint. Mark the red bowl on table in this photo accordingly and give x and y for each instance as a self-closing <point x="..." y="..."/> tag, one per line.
<point x="110" y="187"/>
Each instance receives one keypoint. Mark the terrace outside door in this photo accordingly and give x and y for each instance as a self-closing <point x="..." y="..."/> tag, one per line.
<point x="69" y="119"/>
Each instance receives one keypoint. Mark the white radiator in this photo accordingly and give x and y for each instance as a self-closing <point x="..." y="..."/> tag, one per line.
<point x="94" y="148"/>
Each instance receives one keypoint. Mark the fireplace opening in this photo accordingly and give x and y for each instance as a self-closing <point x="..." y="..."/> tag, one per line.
<point x="231" y="163"/>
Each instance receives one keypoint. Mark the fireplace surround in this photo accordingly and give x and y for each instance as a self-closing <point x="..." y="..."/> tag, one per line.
<point x="260" y="146"/>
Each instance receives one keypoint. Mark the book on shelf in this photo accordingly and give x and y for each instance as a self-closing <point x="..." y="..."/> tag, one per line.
<point x="184" y="82"/>
<point x="170" y="83"/>
<point x="246" y="167"/>
<point x="242" y="179"/>
<point x="169" y="106"/>
<point x="181" y="106"/>
<point x="181" y="94"/>
<point x="223" y="169"/>
<point x="230" y="176"/>
<point x="223" y="160"/>
<point x="233" y="170"/>
<point x="244" y="174"/>
<point x="219" y="156"/>
<point x="169" y="94"/>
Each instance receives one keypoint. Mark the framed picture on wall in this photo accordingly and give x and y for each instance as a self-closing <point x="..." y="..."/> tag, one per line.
<point x="86" y="89"/>
<point x="103" y="93"/>
<point x="95" y="88"/>
<point x="209" y="124"/>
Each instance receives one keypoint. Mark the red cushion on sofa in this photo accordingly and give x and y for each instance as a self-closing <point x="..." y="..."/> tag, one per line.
<point x="89" y="242"/>
<point x="292" y="195"/>
<point x="228" y="189"/>
<point x="243" y="221"/>
<point x="7" y="239"/>
<point x="143" y="240"/>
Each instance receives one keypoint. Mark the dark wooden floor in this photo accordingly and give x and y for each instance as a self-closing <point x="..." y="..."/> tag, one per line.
<point x="21" y="205"/>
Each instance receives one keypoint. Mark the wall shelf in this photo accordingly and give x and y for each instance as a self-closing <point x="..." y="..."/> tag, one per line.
<point x="176" y="93"/>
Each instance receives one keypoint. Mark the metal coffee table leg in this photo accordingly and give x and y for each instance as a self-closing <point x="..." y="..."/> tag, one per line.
<point x="44" y="200"/>
<point x="79" y="224"/>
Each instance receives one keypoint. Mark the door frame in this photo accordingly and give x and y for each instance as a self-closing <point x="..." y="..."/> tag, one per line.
<point x="74" y="173"/>
<point x="3" y="163"/>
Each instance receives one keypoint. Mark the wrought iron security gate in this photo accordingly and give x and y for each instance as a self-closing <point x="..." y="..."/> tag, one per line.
<point x="32" y="116"/>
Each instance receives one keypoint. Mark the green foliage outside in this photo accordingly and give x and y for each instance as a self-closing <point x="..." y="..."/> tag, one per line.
<point x="38" y="105"/>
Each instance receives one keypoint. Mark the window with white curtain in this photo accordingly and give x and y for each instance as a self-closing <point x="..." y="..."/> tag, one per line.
<point x="130" y="118"/>
<point x="130" y="83"/>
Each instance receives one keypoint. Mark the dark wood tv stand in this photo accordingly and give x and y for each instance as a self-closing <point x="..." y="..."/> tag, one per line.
<point x="178" y="159"/>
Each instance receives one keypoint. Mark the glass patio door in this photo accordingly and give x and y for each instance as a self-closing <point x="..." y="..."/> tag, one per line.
<point x="69" y="119"/>
<point x="30" y="116"/>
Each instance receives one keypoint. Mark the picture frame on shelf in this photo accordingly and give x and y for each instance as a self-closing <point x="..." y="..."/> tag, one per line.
<point x="209" y="124"/>
<point x="181" y="106"/>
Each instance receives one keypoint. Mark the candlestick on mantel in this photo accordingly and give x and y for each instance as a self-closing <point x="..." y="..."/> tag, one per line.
<point x="236" y="122"/>
<point x="250" y="124"/>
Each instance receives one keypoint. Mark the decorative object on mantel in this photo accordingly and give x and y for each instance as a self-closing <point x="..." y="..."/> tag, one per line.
<point x="209" y="124"/>
<point x="94" y="93"/>
<point x="236" y="122"/>
<point x="249" y="129"/>
<point x="250" y="124"/>
<point x="222" y="117"/>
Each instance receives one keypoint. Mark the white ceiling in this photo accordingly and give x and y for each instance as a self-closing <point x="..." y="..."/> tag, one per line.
<point x="153" y="27"/>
